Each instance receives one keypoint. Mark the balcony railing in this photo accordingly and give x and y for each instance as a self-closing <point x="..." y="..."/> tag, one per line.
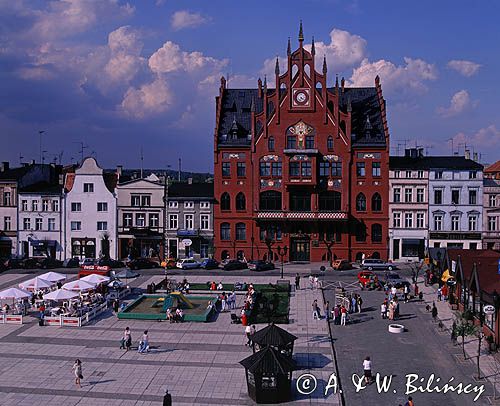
<point x="302" y="215"/>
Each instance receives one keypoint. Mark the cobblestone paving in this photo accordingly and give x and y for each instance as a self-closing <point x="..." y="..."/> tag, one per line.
<point x="196" y="362"/>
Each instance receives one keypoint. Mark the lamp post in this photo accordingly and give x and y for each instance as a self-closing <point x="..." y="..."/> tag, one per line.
<point x="282" y="252"/>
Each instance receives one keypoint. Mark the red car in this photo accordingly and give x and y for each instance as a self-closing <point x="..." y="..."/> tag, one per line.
<point x="369" y="279"/>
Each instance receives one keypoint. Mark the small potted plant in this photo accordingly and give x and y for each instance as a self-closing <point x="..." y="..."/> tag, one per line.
<point x="491" y="343"/>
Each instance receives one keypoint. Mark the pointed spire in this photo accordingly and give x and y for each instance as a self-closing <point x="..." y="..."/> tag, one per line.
<point x="337" y="80"/>
<point x="277" y="67"/>
<point x="289" y="48"/>
<point x="301" y="33"/>
<point x="324" y="65"/>
<point x="265" y="84"/>
<point x="313" y="49"/>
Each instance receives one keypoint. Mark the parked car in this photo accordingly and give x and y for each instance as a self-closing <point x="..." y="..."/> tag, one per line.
<point x="71" y="263"/>
<point x="87" y="261"/>
<point x="187" y="263"/>
<point x="112" y="263"/>
<point x="169" y="263"/>
<point x="209" y="263"/>
<point x="30" y="263"/>
<point x="368" y="279"/>
<point x="260" y="265"/>
<point x="234" y="264"/>
<point x="393" y="279"/>
<point x="50" y="263"/>
<point x="377" y="264"/>
<point x="142" y="263"/>
<point x="14" y="263"/>
<point x="341" y="264"/>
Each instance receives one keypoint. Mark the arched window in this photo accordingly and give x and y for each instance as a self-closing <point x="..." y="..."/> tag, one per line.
<point x="361" y="202"/>
<point x="329" y="143"/>
<point x="376" y="202"/>
<point x="225" y="232"/>
<point x="240" y="201"/>
<point x="270" y="143"/>
<point x="241" y="231"/>
<point x="270" y="200"/>
<point x="376" y="233"/>
<point x="360" y="232"/>
<point x="224" y="255"/>
<point x="359" y="256"/>
<point x="376" y="255"/>
<point x="225" y="201"/>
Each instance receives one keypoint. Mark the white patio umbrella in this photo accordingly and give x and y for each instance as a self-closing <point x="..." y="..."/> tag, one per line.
<point x="14" y="293"/>
<point x="52" y="276"/>
<point x="79" y="285"/>
<point x="60" y="294"/>
<point x="95" y="279"/>
<point x="36" y="283"/>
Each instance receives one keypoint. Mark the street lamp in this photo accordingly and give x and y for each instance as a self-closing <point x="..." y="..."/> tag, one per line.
<point x="282" y="252"/>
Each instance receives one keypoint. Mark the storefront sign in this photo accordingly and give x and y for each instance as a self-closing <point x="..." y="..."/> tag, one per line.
<point x="489" y="309"/>
<point x="187" y="242"/>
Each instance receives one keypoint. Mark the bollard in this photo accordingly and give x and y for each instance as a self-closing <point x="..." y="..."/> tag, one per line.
<point x="167" y="399"/>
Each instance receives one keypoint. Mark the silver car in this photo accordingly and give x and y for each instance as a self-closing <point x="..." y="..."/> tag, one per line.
<point x="377" y="265"/>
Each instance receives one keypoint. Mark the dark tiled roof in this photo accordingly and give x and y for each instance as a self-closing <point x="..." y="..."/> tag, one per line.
<point x="269" y="361"/>
<point x="273" y="335"/>
<point x="235" y="117"/>
<point x="366" y="127"/>
<point x="433" y="162"/>
<point x="491" y="182"/>
<point x="42" y="188"/>
<point x="187" y="190"/>
<point x="14" y="174"/>
<point x="110" y="180"/>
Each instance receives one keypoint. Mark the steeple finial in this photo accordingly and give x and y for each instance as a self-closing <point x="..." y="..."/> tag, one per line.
<point x="277" y="67"/>
<point x="337" y="80"/>
<point x="289" y="48"/>
<point x="265" y="84"/>
<point x="324" y="65"/>
<point x="301" y="33"/>
<point x="313" y="49"/>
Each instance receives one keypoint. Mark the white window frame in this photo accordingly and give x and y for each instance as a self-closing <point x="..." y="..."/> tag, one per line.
<point x="139" y="216"/>
<point x="38" y="224"/>
<point x="78" y="206"/>
<point x="492" y="223"/>
<point x="45" y="205"/>
<point x="26" y="223"/>
<point x="7" y="223"/>
<point x="76" y="225"/>
<point x="204" y="205"/>
<point x="51" y="224"/>
<point x="189" y="204"/>
<point x="408" y="194"/>
<point x="420" y="220"/>
<point x="396" y="222"/>
<point x="408" y="220"/>
<point x="24" y="205"/>
<point x="438" y="222"/>
<point x="102" y="226"/>
<point x="173" y="218"/>
<point x="472" y="222"/>
<point x="88" y="187"/>
<point x="205" y="217"/>
<point x="420" y="196"/>
<point x="34" y="205"/>
<point x="55" y="205"/>
<point x="155" y="216"/>
<point x="492" y="200"/>
<point x="455" y="222"/>
<point x="173" y="204"/>
<point x="128" y="221"/>
<point x="186" y="216"/>
<point x="100" y="206"/>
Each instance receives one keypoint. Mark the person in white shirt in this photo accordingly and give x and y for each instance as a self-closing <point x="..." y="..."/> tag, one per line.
<point x="220" y="286"/>
<point x="249" y="331"/>
<point x="367" y="369"/>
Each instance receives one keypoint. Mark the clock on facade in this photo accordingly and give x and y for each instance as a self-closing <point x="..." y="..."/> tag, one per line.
<point x="301" y="97"/>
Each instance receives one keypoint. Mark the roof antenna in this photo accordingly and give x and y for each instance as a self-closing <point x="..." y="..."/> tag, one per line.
<point x="142" y="164"/>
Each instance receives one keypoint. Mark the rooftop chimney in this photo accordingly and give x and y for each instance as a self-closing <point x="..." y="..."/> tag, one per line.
<point x="119" y="170"/>
<point x="190" y="181"/>
<point x="4" y="166"/>
<point x="467" y="154"/>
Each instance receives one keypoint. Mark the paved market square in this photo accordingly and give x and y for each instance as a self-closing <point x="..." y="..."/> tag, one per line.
<point x="197" y="362"/>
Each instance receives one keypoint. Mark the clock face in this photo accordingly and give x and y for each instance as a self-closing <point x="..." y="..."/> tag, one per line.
<point x="301" y="97"/>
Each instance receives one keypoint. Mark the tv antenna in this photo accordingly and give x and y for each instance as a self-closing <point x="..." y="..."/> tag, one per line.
<point x="40" y="133"/>
<point x="83" y="147"/>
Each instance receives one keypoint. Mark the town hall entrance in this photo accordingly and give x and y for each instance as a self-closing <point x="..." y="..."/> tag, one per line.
<point x="300" y="250"/>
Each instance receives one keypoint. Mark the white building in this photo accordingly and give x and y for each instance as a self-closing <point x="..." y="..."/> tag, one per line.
<point x="40" y="226"/>
<point x="408" y="205"/>
<point x="90" y="212"/>
<point x="140" y="217"/>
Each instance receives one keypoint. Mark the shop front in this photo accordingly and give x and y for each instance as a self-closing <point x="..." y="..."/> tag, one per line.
<point x="83" y="248"/>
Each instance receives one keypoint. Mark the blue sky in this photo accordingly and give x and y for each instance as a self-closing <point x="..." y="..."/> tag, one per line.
<point x="120" y="75"/>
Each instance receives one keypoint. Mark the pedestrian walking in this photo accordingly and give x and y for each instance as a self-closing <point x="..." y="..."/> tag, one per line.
<point x="336" y="315"/>
<point x="223" y="301"/>
<point x="311" y="281"/>
<point x="406" y="293"/>
<point x="416" y="290"/>
<point x="367" y="370"/>
<point x="359" y="303"/>
<point x="315" y="309"/>
<point x="144" y="343"/>
<point x="353" y="304"/>
<point x="434" y="311"/>
<point x="127" y="337"/>
<point x="297" y="281"/>
<point x="439" y="294"/>
<point x="77" y="370"/>
<point x="343" y="315"/>
<point x="316" y="282"/>
<point x="249" y="331"/>
<point x="383" y="310"/>
<point x="327" y="310"/>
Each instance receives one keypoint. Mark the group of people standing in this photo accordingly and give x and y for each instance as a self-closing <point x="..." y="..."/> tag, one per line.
<point x="126" y="341"/>
<point x="350" y="304"/>
<point x="389" y="309"/>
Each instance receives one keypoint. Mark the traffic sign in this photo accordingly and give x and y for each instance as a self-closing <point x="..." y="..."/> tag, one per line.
<point x="489" y="309"/>
<point x="187" y="242"/>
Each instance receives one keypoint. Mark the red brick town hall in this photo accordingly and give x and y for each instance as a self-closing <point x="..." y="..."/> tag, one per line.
<point x="302" y="166"/>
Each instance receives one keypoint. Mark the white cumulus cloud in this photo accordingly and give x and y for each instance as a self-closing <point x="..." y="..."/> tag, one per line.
<point x="465" y="68"/>
<point x="170" y="58"/>
<point x="185" y="19"/>
<point x="459" y="103"/>
<point x="149" y="99"/>
<point x="408" y="78"/>
<point x="487" y="139"/>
